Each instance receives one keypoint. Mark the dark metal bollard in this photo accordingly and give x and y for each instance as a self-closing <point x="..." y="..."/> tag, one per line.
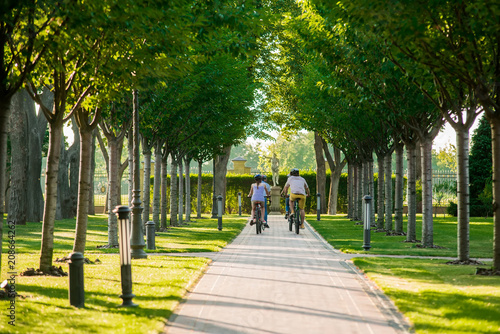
<point x="239" y="203"/>
<point x="124" y="228"/>
<point x="318" y="206"/>
<point x="150" y="234"/>
<point x="366" y="222"/>
<point x="219" y="212"/>
<point x="76" y="288"/>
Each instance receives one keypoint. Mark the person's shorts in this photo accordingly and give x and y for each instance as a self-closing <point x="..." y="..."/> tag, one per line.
<point x="301" y="198"/>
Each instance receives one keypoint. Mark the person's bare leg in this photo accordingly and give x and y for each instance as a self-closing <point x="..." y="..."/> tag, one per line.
<point x="302" y="216"/>
<point x="262" y="211"/>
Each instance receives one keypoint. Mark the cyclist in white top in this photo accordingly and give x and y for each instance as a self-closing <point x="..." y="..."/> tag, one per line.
<point x="299" y="190"/>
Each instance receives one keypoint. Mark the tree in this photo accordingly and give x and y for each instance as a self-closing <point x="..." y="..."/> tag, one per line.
<point x="27" y="131"/>
<point x="27" y="28"/>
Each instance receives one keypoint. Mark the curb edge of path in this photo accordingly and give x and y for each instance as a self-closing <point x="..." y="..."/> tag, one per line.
<point x="396" y="319"/>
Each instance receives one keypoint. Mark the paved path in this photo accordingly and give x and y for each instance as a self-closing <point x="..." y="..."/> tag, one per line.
<point x="280" y="282"/>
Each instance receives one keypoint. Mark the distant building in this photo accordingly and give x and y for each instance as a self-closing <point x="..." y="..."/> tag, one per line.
<point x="239" y="166"/>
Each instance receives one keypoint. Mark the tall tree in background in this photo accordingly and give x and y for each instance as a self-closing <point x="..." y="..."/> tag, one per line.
<point x="481" y="164"/>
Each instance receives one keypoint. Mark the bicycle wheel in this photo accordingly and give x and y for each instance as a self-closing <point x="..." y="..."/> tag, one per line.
<point x="297" y="219"/>
<point x="258" y="221"/>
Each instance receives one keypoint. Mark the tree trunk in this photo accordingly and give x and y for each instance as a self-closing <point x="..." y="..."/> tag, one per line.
<point x="336" y="166"/>
<point x="157" y="186"/>
<point x="350" y="191"/>
<point x="380" y="191"/>
<point x="188" y="190"/>
<point x="52" y="172"/>
<point x="164" y="191"/>
<point x="362" y="187"/>
<point x="427" y="219"/>
<point x="146" y="151"/>
<point x="198" y="191"/>
<point x="92" y="172"/>
<point x="181" y="191"/>
<point x="74" y="170"/>
<point x="83" y="189"/>
<point x="495" y="147"/>
<point x="388" y="192"/>
<point x="463" y="194"/>
<point x="220" y="175"/>
<point x="371" y="191"/>
<point x="398" y="192"/>
<point x="67" y="190"/>
<point x="320" y="171"/>
<point x="418" y="161"/>
<point x="411" y="234"/>
<point x="4" y="128"/>
<point x="113" y="172"/>
<point x="19" y="163"/>
<point x="174" y="189"/>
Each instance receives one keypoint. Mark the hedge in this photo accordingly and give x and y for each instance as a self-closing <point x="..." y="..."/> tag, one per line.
<point x="241" y="183"/>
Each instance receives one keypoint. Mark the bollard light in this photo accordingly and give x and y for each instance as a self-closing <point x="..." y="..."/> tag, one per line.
<point x="124" y="229"/>
<point x="318" y="206"/>
<point x="214" y="206"/>
<point x="150" y="235"/>
<point x="366" y="222"/>
<point x="239" y="203"/>
<point x="219" y="212"/>
<point x="76" y="289"/>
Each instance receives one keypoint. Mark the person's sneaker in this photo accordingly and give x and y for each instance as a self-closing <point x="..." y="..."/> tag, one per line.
<point x="302" y="225"/>
<point x="266" y="225"/>
<point x="252" y="223"/>
<point x="286" y="215"/>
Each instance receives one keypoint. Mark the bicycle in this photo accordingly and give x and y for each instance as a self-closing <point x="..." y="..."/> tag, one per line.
<point x="259" y="225"/>
<point x="295" y="217"/>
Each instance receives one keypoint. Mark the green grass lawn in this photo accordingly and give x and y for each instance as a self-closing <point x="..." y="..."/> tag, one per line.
<point x="159" y="282"/>
<point x="437" y="298"/>
<point x="344" y="235"/>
